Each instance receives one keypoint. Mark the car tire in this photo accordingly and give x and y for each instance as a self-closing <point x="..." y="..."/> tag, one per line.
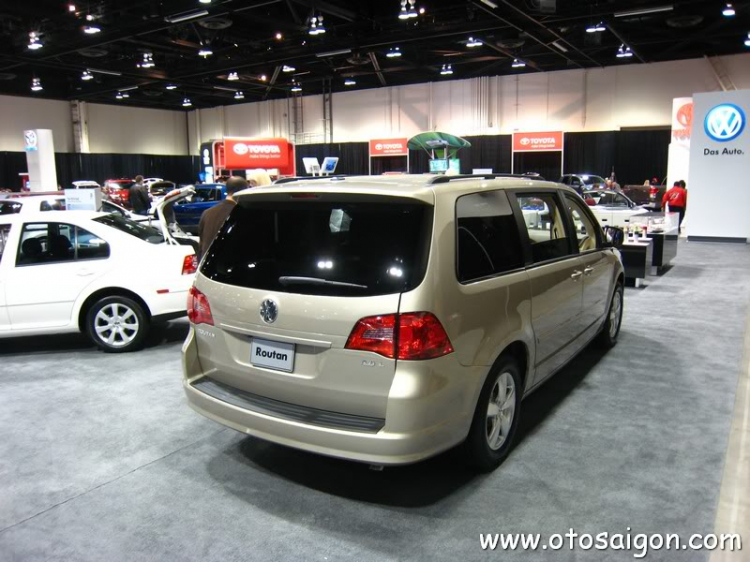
<point x="117" y="324"/>
<point x="611" y="328"/>
<point x="496" y="417"/>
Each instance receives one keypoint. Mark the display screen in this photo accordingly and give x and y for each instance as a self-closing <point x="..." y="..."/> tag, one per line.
<point x="440" y="165"/>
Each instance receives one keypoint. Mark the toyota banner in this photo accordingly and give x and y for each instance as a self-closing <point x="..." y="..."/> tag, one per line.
<point x="255" y="153"/>
<point x="537" y="142"/>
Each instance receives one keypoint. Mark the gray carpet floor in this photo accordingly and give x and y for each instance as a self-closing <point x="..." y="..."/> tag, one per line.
<point x="101" y="459"/>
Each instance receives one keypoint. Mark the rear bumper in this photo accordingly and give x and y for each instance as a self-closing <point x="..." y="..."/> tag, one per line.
<point x="426" y="414"/>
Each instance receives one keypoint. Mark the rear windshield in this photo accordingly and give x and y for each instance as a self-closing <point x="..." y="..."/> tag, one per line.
<point x="142" y="231"/>
<point x="315" y="247"/>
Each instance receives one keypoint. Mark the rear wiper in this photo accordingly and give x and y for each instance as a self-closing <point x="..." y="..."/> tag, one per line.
<point x="287" y="280"/>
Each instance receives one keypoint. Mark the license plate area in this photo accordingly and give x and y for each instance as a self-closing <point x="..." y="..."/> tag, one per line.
<point x="272" y="355"/>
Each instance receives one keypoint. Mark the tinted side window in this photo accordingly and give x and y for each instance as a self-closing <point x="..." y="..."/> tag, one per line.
<point x="487" y="240"/>
<point x="53" y="205"/>
<point x="46" y="243"/>
<point x="89" y="246"/>
<point x="4" y="233"/>
<point x="10" y="207"/>
<point x="545" y="225"/>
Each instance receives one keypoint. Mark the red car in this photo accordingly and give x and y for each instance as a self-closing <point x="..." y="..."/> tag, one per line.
<point x="118" y="191"/>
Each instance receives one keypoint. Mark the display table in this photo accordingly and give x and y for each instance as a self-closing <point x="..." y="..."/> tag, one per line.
<point x="637" y="258"/>
<point x="665" y="248"/>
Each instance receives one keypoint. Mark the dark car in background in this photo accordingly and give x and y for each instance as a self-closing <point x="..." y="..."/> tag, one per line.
<point x="649" y="196"/>
<point x="189" y="211"/>
<point x="582" y="182"/>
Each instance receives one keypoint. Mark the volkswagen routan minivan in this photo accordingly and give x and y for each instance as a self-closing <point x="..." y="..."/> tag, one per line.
<point x="387" y="319"/>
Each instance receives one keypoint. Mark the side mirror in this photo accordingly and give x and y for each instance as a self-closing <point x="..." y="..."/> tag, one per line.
<point x="613" y="237"/>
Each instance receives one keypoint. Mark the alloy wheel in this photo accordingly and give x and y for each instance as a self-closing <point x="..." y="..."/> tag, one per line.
<point x="116" y="324"/>
<point x="501" y="410"/>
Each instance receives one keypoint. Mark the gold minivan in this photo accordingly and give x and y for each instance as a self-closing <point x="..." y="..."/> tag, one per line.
<point x="387" y="319"/>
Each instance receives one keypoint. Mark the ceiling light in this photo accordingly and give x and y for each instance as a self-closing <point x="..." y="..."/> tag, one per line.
<point x="296" y="88"/>
<point x="148" y="61"/>
<point x="263" y="77"/>
<point x="36" y="85"/>
<point x="287" y="68"/>
<point x="421" y="10"/>
<point x="100" y="71"/>
<point x="71" y="8"/>
<point x="596" y="28"/>
<point x="446" y="70"/>
<point x="179" y="18"/>
<point x="393" y="52"/>
<point x="728" y="11"/>
<point x="316" y="25"/>
<point x="489" y="3"/>
<point x="233" y="76"/>
<point x="239" y="96"/>
<point x="171" y="87"/>
<point x="186" y="102"/>
<point x="122" y="96"/>
<point x="91" y="29"/>
<point x="747" y="41"/>
<point x="412" y="9"/>
<point x="279" y="36"/>
<point x="403" y="13"/>
<point x="350" y="82"/>
<point x="518" y="64"/>
<point x="204" y="1"/>
<point x="86" y="76"/>
<point x="624" y="52"/>
<point x="34" y="42"/>
<point x="644" y="11"/>
<point x="205" y="52"/>
<point x="473" y="42"/>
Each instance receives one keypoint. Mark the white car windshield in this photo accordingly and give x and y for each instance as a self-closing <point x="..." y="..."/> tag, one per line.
<point x="142" y="231"/>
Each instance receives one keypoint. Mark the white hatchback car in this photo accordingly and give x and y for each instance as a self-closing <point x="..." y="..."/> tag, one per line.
<point x="101" y="274"/>
<point x="612" y="208"/>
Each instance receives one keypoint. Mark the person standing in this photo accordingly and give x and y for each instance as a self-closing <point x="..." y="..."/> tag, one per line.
<point x="676" y="198"/>
<point x="139" y="199"/>
<point x="213" y="219"/>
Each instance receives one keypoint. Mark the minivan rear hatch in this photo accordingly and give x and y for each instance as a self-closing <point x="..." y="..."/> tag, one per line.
<point x="287" y="279"/>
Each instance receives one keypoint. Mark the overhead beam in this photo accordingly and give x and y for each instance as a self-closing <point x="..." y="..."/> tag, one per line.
<point x="328" y="9"/>
<point x="376" y="66"/>
<point x="272" y="82"/>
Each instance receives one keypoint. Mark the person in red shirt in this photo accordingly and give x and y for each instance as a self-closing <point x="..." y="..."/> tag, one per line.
<point x="676" y="198"/>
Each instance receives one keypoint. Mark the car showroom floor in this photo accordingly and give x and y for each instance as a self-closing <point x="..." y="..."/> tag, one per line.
<point x="101" y="459"/>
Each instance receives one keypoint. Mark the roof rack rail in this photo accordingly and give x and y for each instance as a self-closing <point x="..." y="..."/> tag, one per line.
<point x="337" y="177"/>
<point x="448" y="179"/>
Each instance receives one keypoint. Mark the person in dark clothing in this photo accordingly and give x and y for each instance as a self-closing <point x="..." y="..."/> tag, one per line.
<point x="677" y="200"/>
<point x="139" y="199"/>
<point x="213" y="219"/>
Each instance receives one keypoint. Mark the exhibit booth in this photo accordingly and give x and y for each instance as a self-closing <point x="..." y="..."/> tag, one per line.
<point x="238" y="155"/>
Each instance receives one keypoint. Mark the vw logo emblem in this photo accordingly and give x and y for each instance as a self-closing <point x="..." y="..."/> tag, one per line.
<point x="269" y="311"/>
<point x="725" y="122"/>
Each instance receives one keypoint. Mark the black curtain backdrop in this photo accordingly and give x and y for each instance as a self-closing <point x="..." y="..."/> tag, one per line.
<point x="635" y="156"/>
<point x="382" y="164"/>
<point x="352" y="156"/>
<point x="546" y="164"/>
<point x="99" y="167"/>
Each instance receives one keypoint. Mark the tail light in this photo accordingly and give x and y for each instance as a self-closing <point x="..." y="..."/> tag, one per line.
<point x="411" y="336"/>
<point x="198" y="309"/>
<point x="190" y="264"/>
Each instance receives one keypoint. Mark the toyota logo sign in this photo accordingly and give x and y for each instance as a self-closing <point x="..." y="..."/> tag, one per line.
<point x="240" y="149"/>
<point x="724" y="122"/>
<point x="379" y="146"/>
<point x="525" y="141"/>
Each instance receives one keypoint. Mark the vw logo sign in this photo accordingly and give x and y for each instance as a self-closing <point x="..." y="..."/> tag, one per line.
<point x="724" y="122"/>
<point x="269" y="311"/>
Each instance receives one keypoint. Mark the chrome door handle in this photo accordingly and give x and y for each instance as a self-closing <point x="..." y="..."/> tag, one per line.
<point x="588" y="270"/>
<point x="576" y="275"/>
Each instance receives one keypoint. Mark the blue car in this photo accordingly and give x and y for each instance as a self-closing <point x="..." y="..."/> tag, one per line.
<point x="189" y="211"/>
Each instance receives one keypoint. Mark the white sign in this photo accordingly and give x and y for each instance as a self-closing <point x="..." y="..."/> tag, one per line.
<point x="272" y="354"/>
<point x="718" y="193"/>
<point x="84" y="199"/>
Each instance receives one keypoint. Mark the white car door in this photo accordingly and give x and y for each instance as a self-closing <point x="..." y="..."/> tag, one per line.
<point x="55" y="263"/>
<point x="5" y="264"/>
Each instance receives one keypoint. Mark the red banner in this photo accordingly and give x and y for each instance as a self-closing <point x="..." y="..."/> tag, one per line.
<point x="537" y="142"/>
<point x="389" y="147"/>
<point x="240" y="154"/>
